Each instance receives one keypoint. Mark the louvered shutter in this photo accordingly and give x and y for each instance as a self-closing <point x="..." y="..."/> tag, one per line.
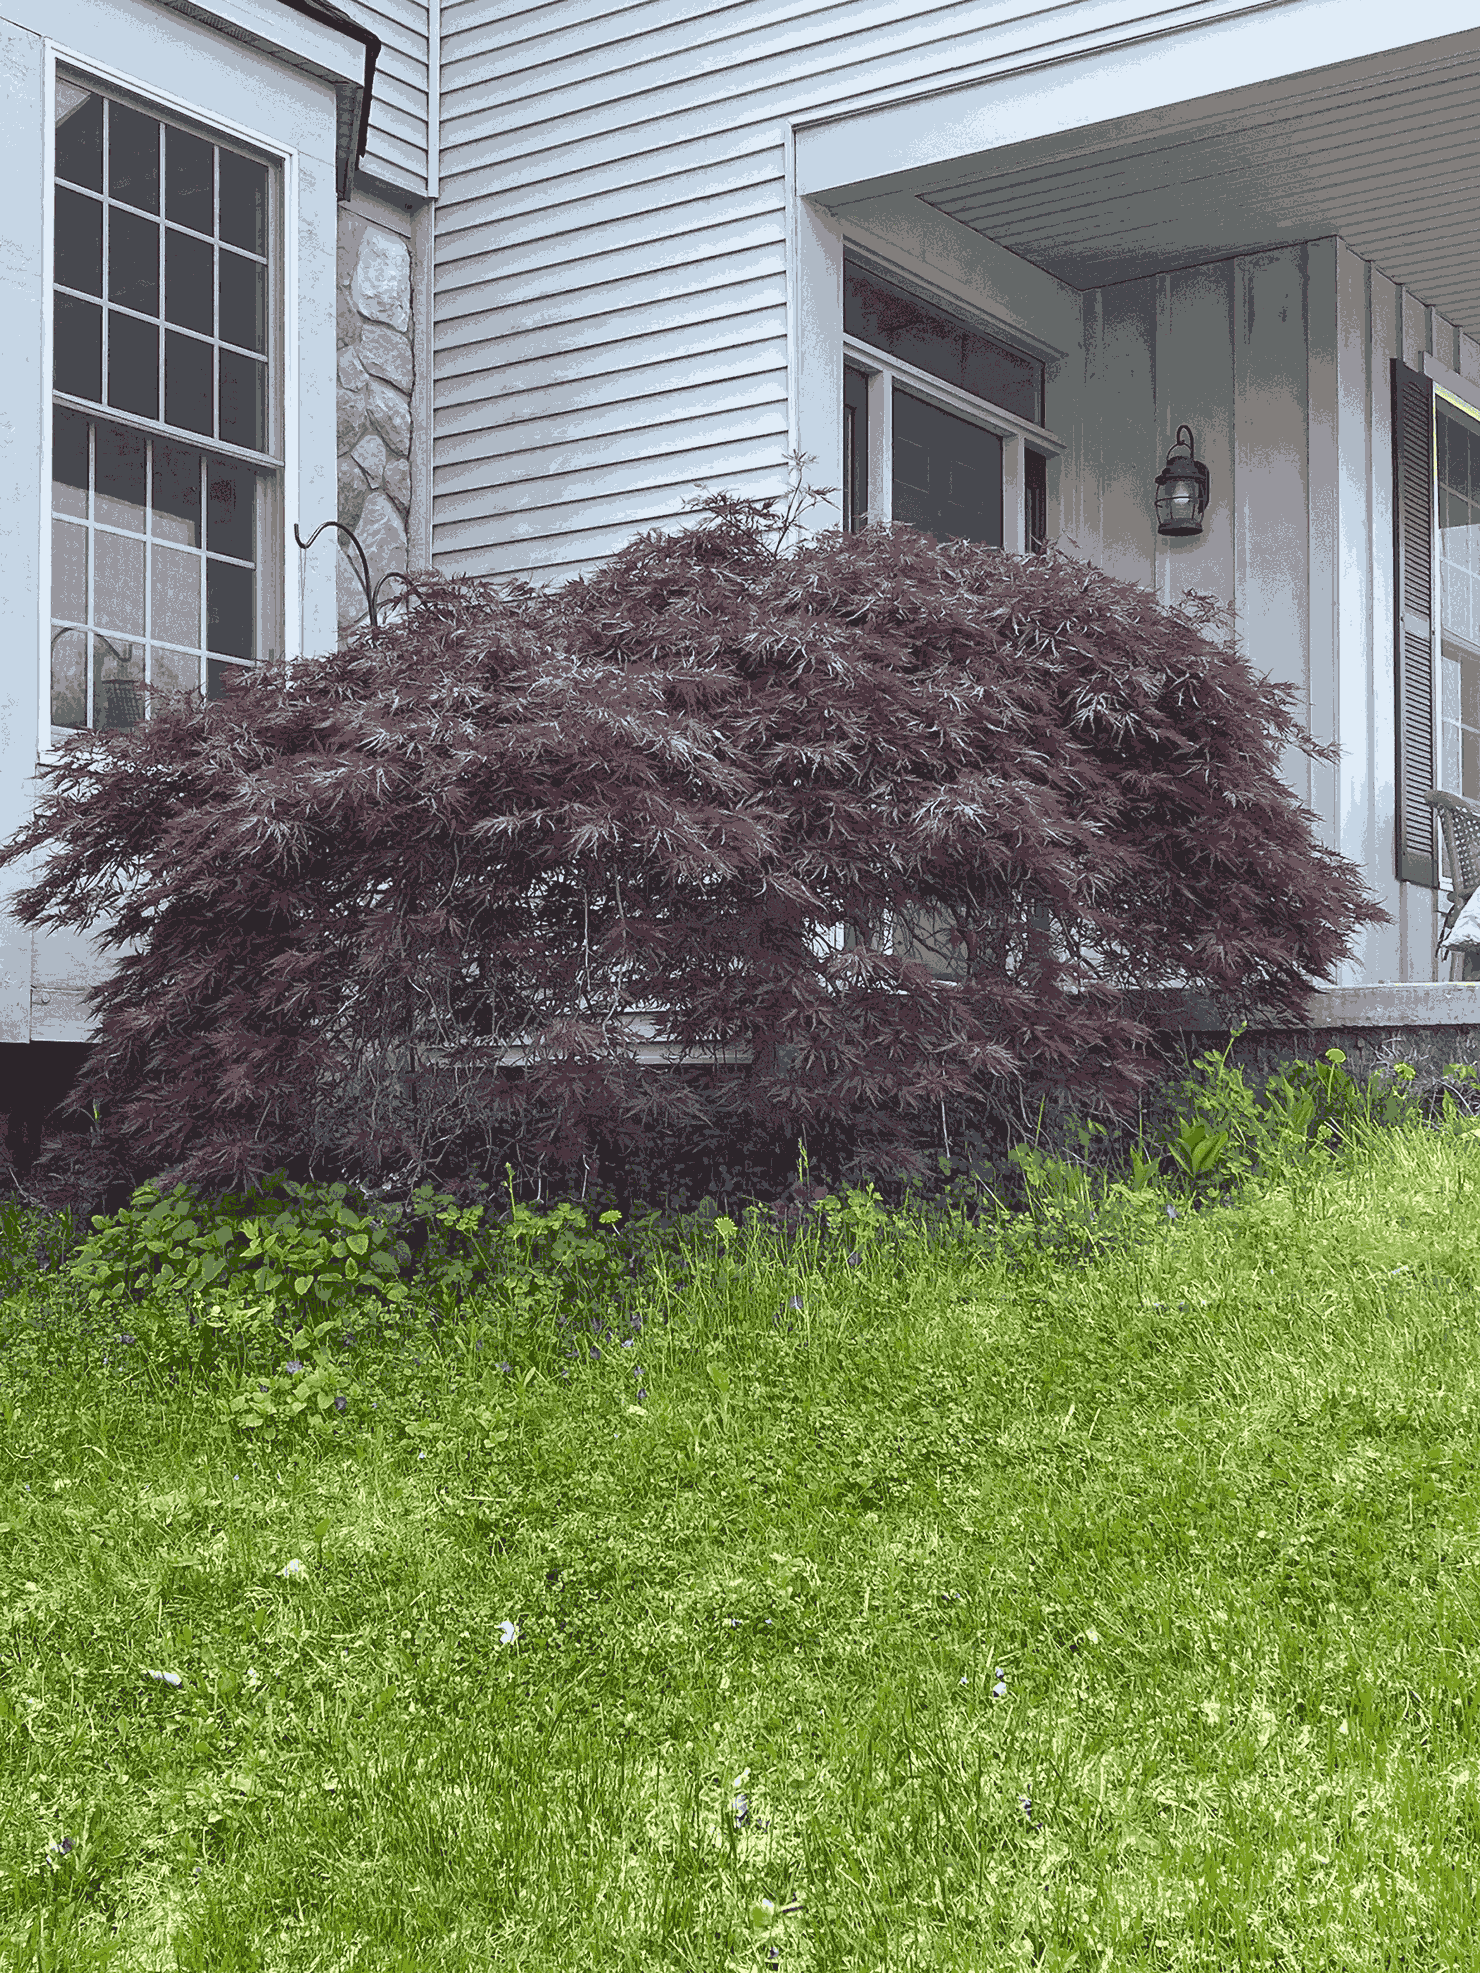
<point x="1413" y="510"/>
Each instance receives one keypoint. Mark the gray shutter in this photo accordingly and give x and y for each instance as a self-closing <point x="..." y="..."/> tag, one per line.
<point x="1413" y="462"/>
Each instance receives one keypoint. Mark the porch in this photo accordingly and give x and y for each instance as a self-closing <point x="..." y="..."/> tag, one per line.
<point x="1251" y="262"/>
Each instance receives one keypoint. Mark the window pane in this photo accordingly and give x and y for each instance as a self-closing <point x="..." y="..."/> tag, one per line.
<point x="188" y="281"/>
<point x="243" y="302"/>
<point x="133" y="260"/>
<point x="189" y="193"/>
<point x="133" y="365"/>
<point x="243" y="202"/>
<point x="230" y="626"/>
<point x="243" y="400"/>
<point x="231" y="513"/>
<point x="79" y="136"/>
<point x="891" y="318"/>
<point x="77" y="347"/>
<point x="1458" y="454"/>
<point x="176" y="493"/>
<point x="187" y="382"/>
<point x="118" y="683"/>
<point x="69" y="678"/>
<point x="120" y="471"/>
<point x="69" y="463"/>
<point x="174" y="595"/>
<point x="947" y="473"/>
<point x="133" y="158"/>
<point x="68" y="572"/>
<point x="118" y="568"/>
<point x="855" y="448"/>
<point x="220" y="678"/>
<point x="175" y="671"/>
<point x="77" y="258"/>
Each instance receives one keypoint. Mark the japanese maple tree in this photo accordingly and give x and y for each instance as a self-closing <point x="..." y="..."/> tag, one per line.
<point x="393" y="911"/>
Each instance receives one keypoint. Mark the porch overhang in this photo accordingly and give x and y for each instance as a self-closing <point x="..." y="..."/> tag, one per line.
<point x="1381" y="148"/>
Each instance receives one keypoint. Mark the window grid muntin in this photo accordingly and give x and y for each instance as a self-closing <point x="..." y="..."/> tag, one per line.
<point x="264" y="360"/>
<point x="148" y="536"/>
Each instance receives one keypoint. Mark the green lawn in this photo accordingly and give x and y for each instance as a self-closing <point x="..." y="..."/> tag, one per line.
<point x="933" y="1610"/>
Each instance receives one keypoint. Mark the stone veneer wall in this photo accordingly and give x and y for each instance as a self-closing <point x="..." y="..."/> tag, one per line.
<point x="376" y="373"/>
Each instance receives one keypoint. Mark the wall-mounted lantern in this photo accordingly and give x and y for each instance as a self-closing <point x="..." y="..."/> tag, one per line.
<point x="1181" y="488"/>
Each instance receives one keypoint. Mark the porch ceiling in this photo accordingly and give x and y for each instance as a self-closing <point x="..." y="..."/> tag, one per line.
<point x="1384" y="151"/>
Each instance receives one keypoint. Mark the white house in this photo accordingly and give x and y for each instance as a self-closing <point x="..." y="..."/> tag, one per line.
<point x="568" y="265"/>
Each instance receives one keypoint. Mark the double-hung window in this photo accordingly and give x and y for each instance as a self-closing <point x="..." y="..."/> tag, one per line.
<point x="943" y="424"/>
<point x="166" y="410"/>
<point x="1457" y="448"/>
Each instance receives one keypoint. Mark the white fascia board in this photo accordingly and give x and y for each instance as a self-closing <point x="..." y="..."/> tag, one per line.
<point x="311" y="46"/>
<point x="1059" y="87"/>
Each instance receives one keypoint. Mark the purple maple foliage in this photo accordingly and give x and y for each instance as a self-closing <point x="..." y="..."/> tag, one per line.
<point x="510" y="819"/>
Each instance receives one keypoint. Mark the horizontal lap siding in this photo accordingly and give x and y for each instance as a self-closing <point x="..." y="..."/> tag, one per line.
<point x="397" y="149"/>
<point x="611" y="294"/>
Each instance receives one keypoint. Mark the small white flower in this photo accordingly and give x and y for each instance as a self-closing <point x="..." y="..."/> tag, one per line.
<point x="169" y="1678"/>
<point x="293" y="1568"/>
<point x="508" y="1632"/>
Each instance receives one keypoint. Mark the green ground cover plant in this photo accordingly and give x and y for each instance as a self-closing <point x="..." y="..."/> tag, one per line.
<point x="1072" y="1577"/>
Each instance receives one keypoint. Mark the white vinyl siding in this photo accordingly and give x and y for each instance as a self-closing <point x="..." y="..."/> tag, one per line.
<point x="397" y="151"/>
<point x="612" y="214"/>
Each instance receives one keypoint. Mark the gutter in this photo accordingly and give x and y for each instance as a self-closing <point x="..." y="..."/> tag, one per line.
<point x="329" y="15"/>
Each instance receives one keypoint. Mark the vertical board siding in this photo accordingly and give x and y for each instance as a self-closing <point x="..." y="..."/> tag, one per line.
<point x="612" y="187"/>
<point x="1384" y="950"/>
<point x="1271" y="479"/>
<point x="1319" y="712"/>
<point x="397" y="150"/>
<point x="1356" y="634"/>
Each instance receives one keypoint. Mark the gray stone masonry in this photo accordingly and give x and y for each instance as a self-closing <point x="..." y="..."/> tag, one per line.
<point x="376" y="372"/>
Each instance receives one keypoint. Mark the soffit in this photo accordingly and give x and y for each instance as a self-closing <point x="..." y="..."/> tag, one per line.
<point x="1384" y="152"/>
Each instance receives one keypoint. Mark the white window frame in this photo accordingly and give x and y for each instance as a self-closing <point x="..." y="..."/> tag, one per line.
<point x="282" y="461"/>
<point x="884" y="371"/>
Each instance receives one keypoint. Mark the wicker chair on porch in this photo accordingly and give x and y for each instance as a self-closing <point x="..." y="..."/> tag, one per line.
<point x="1459" y="823"/>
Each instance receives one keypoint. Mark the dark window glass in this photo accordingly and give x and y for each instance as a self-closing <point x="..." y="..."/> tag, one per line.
<point x="230" y="516"/>
<point x="79" y="138"/>
<point x="133" y="158"/>
<point x="133" y="261"/>
<point x="877" y="312"/>
<point x="230" y="631"/>
<point x="120" y="477"/>
<point x="177" y="493"/>
<point x="77" y="347"/>
<point x="220" y="678"/>
<point x="187" y="382"/>
<point x="855" y="448"/>
<point x="189" y="193"/>
<point x="188" y="279"/>
<point x="133" y="365"/>
<point x="1035" y="500"/>
<point x="243" y="302"/>
<point x="243" y="202"/>
<point x="78" y="243"/>
<point x="947" y="473"/>
<point x="69" y="462"/>
<point x="243" y="401"/>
